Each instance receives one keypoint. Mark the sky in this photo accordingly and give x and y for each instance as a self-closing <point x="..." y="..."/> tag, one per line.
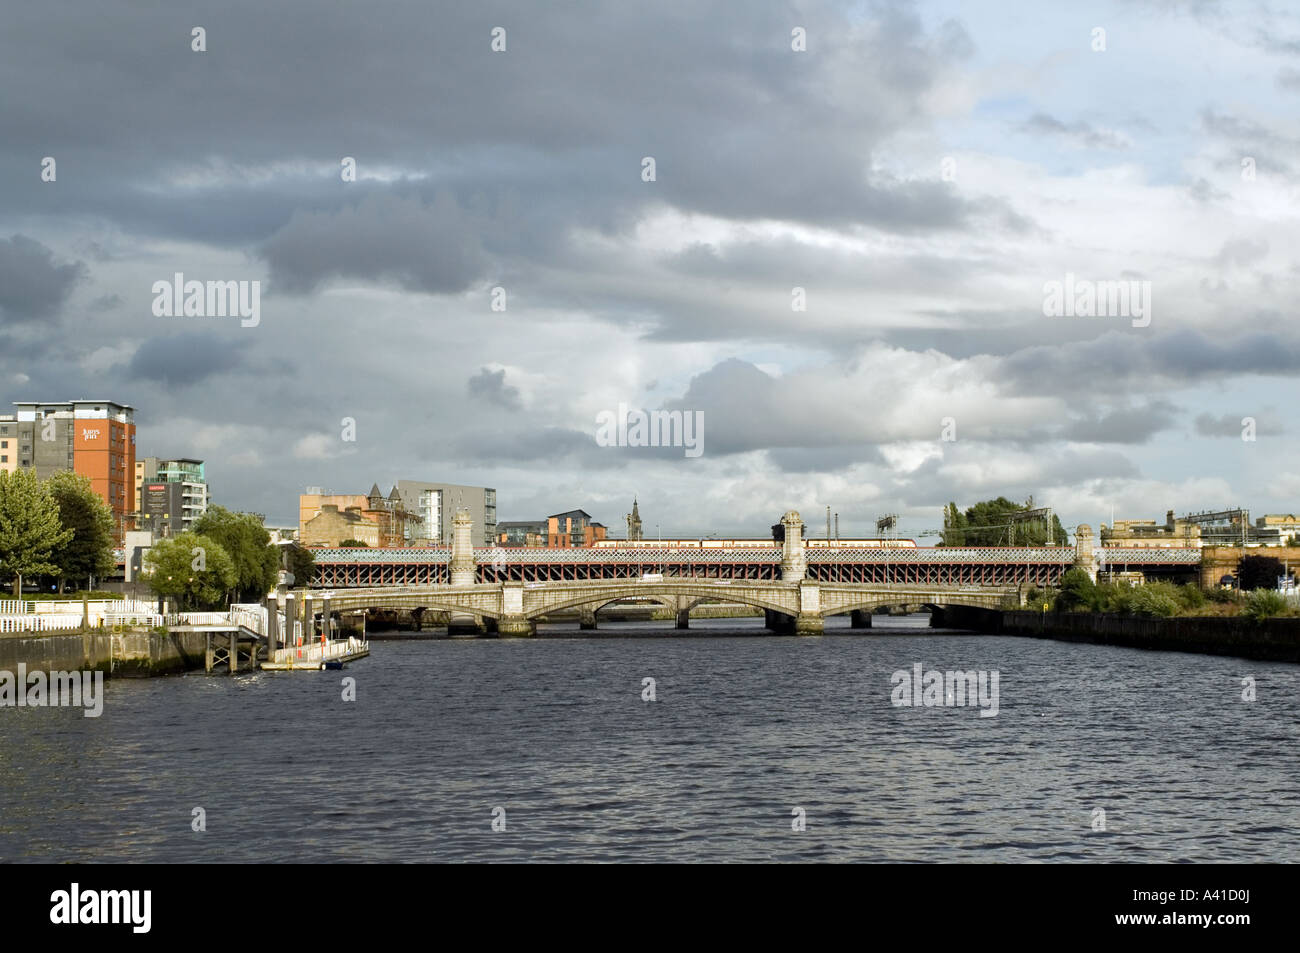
<point x="839" y="266"/>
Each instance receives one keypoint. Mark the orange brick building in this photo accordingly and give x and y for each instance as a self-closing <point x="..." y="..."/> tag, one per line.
<point x="95" y="438"/>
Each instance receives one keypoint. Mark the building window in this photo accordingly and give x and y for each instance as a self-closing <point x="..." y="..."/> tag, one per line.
<point x="4" y="458"/>
<point x="4" y="443"/>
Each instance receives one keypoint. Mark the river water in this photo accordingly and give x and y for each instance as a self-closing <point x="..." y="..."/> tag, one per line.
<point x="746" y="738"/>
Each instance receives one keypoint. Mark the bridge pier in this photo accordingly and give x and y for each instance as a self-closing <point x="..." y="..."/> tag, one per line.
<point x="860" y="619"/>
<point x="683" y="618"/>
<point x="516" y="627"/>
<point x="512" y="623"/>
<point x="807" y="623"/>
<point x="587" y="619"/>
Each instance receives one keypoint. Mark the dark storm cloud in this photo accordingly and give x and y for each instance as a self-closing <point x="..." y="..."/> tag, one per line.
<point x="419" y="247"/>
<point x="556" y="446"/>
<point x="1129" y="425"/>
<point x="739" y="123"/>
<point x="1136" y="361"/>
<point x="33" y="287"/>
<point x="181" y="360"/>
<point x="491" y="386"/>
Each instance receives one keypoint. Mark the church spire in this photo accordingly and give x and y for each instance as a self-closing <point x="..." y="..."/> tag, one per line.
<point x="633" y="522"/>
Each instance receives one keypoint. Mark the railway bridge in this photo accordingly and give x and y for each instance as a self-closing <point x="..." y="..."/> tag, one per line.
<point x="796" y="587"/>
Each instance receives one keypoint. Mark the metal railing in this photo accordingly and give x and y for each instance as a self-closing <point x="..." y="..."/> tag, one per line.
<point x="316" y="653"/>
<point x="47" y="622"/>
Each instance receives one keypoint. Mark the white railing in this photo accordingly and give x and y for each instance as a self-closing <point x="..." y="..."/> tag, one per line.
<point x="317" y="653"/>
<point x="198" y="618"/>
<point x="15" y="606"/>
<point x="40" y="623"/>
<point x="97" y="607"/>
<point x="131" y="620"/>
<point x="249" y="615"/>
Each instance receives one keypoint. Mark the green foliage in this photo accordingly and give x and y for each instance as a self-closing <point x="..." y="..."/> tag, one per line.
<point x="1224" y="596"/>
<point x="1191" y="597"/>
<point x="302" y="564"/>
<point x="1259" y="572"/>
<point x="1154" y="600"/>
<point x="1077" y="590"/>
<point x="248" y="545"/>
<point x="986" y="524"/>
<point x="954" y="526"/>
<point x="1263" y="604"/>
<point x="89" y="551"/>
<point x="194" y="569"/>
<point x="30" y="532"/>
<point x="353" y="544"/>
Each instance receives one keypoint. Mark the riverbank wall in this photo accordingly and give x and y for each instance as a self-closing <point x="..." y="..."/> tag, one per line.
<point x="1275" y="640"/>
<point x="137" y="653"/>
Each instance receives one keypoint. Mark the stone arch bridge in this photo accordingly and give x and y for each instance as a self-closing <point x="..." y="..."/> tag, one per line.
<point x="513" y="608"/>
<point x="797" y="588"/>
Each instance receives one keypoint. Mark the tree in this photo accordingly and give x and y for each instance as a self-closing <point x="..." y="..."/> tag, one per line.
<point x="988" y="523"/>
<point x="194" y="569"/>
<point x="302" y="564"/>
<point x="248" y="544"/>
<point x="954" y="526"/>
<point x="353" y="544"/>
<point x="1259" y="572"/>
<point x="30" y="531"/>
<point x="1077" y="591"/>
<point x="90" y="550"/>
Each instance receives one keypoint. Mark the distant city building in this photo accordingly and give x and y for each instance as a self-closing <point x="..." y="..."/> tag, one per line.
<point x="326" y="519"/>
<point x="332" y="526"/>
<point x="1285" y="527"/>
<point x="1205" y="529"/>
<point x="171" y="494"/>
<point x="568" y="530"/>
<point x="282" y="534"/>
<point x="95" y="438"/>
<point x="1234" y="528"/>
<point x="8" y="443"/>
<point x="522" y="533"/>
<point x="572" y="529"/>
<point x="1148" y="534"/>
<point x="436" y="504"/>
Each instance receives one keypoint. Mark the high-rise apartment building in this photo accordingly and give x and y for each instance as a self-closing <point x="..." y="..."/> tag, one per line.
<point x="172" y="494"/>
<point x="95" y="438"/>
<point x="436" y="505"/>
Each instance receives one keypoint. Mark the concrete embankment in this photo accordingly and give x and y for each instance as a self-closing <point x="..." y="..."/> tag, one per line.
<point x="135" y="653"/>
<point x="1276" y="640"/>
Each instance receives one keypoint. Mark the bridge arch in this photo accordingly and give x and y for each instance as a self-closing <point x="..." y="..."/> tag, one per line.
<point x="345" y="600"/>
<point x="666" y="593"/>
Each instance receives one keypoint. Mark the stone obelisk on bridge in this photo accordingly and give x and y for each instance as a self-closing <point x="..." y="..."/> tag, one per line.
<point x="462" y="570"/>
